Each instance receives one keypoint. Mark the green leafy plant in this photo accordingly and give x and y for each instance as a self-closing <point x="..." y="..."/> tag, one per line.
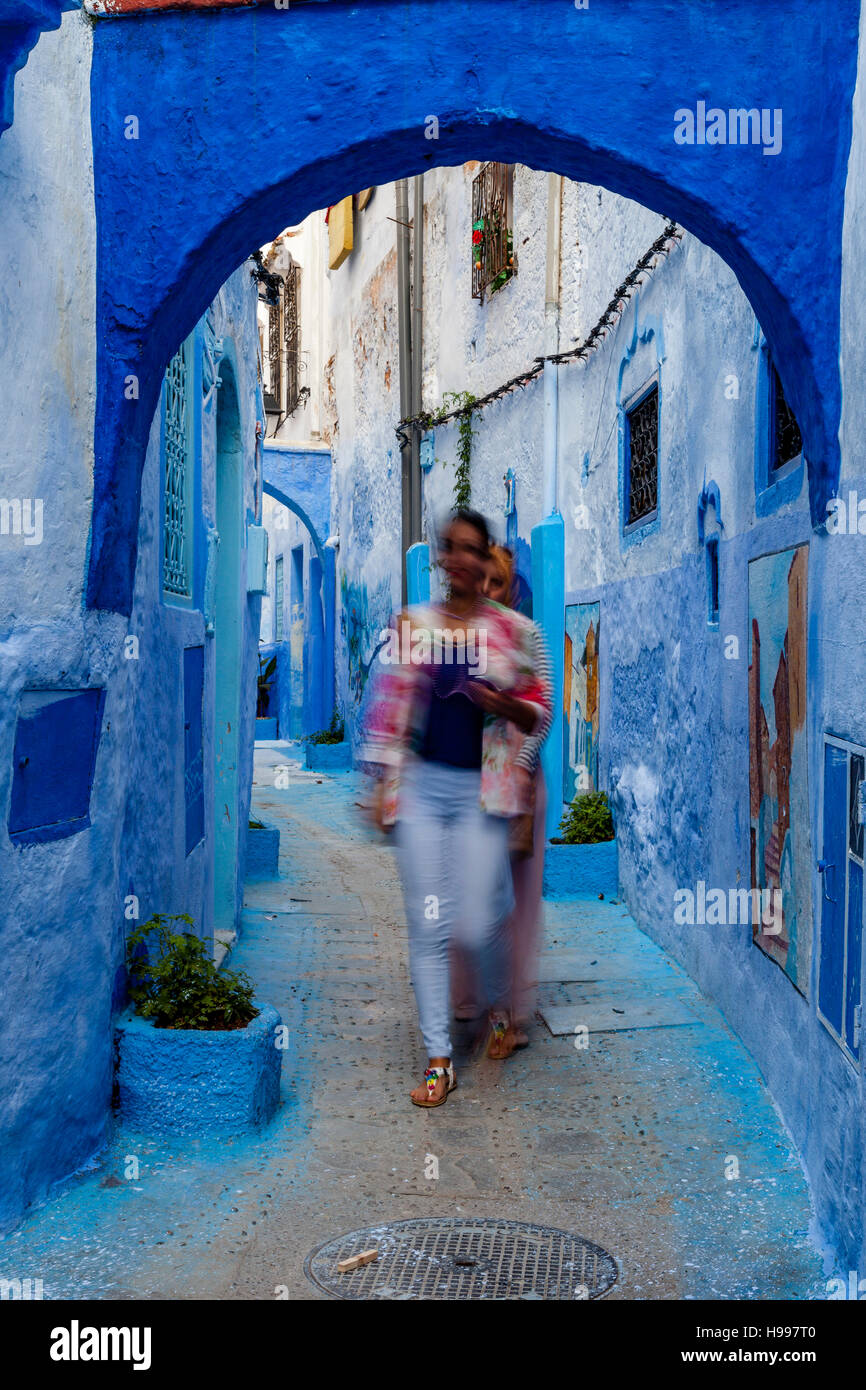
<point x="587" y="821"/>
<point x="264" y="683"/>
<point x="335" y="732"/>
<point x="462" y="479"/>
<point x="508" y="269"/>
<point x="172" y="979"/>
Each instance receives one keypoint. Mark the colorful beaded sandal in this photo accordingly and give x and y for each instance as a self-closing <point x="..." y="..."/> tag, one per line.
<point x="501" y="1033"/>
<point x="431" y="1076"/>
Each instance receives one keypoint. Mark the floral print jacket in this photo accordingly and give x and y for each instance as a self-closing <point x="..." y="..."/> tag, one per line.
<point x="397" y="713"/>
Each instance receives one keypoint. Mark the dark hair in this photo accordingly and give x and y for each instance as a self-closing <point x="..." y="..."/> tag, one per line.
<point x="473" y="519"/>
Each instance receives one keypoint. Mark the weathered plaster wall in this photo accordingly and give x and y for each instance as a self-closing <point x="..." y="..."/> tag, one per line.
<point x="474" y="346"/>
<point x="153" y="853"/>
<point x="59" y="905"/>
<point x="48" y="311"/>
<point x="365" y="494"/>
<point x="833" y="1126"/>
<point x="674" y="750"/>
<point x="63" y="916"/>
<point x="674" y="719"/>
<point x="306" y="245"/>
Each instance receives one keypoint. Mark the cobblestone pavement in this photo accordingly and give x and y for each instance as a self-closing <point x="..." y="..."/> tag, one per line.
<point x="627" y="1142"/>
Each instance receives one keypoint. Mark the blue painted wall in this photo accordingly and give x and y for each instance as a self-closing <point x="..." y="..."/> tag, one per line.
<point x="674" y="720"/>
<point x="303" y="694"/>
<point x="137" y="849"/>
<point x="20" y="28"/>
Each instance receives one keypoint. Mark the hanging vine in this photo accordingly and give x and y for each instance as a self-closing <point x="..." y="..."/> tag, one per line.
<point x="462" y="401"/>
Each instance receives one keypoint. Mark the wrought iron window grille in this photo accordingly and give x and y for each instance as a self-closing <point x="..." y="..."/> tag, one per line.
<point x="272" y="387"/>
<point x="292" y="337"/>
<point x="786" y="442"/>
<point x="493" y="257"/>
<point x="642" y="455"/>
<point x="176" y="568"/>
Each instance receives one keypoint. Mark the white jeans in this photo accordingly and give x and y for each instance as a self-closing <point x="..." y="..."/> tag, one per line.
<point x="456" y="877"/>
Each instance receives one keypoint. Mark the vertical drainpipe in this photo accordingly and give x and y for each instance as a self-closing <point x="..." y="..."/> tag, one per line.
<point x="418" y="554"/>
<point x="404" y="333"/>
<point x="551" y="343"/>
<point x="548" y="537"/>
<point x="416" y="350"/>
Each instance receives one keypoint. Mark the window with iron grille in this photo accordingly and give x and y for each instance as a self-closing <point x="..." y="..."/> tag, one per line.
<point x="272" y="386"/>
<point x="642" y="456"/>
<point x="278" y="599"/>
<point x="177" y="509"/>
<point x="786" y="442"/>
<point x="493" y="259"/>
<point x="292" y="337"/>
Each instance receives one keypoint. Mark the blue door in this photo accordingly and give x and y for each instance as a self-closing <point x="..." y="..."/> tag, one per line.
<point x="856" y="768"/>
<point x="841" y="880"/>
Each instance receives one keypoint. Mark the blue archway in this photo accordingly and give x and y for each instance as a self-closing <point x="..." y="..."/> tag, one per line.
<point x="248" y="119"/>
<point x="301" y="480"/>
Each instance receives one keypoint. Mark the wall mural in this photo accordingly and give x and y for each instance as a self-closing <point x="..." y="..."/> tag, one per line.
<point x="779" y="802"/>
<point x="364" y="615"/>
<point x="580" y="700"/>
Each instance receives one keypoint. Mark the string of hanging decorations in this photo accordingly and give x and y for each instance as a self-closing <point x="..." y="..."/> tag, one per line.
<point x="661" y="247"/>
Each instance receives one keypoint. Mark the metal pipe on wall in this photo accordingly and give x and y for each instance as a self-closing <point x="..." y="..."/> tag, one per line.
<point x="551" y="344"/>
<point x="404" y="334"/>
<point x="416" y="351"/>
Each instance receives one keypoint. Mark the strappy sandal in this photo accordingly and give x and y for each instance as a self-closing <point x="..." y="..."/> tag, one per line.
<point x="500" y="1027"/>
<point x="431" y="1076"/>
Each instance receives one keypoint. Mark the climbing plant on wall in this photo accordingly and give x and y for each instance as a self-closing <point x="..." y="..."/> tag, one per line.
<point x="463" y="401"/>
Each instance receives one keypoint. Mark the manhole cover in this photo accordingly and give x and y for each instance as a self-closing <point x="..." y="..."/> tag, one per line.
<point x="464" y="1259"/>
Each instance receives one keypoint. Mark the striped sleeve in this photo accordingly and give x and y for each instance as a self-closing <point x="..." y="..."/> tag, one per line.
<point x="531" y="747"/>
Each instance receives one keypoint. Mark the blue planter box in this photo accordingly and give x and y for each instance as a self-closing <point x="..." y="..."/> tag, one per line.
<point x="573" y="871"/>
<point x="188" y="1082"/>
<point x="263" y="852"/>
<point x="328" y="757"/>
<point x="266" y="728"/>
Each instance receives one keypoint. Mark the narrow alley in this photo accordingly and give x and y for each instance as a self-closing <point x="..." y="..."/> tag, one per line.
<point x="629" y="1142"/>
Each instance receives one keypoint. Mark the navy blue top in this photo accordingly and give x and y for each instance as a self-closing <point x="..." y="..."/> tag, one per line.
<point x="455" y="723"/>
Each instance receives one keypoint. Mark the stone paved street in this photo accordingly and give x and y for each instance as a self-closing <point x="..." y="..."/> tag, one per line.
<point x="625" y="1143"/>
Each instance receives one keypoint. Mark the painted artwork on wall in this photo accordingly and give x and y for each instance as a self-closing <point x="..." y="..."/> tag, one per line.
<point x="580" y="699"/>
<point x="778" y="768"/>
<point x="364" y="615"/>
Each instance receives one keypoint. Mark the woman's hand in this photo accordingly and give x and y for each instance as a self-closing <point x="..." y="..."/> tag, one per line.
<point x="503" y="705"/>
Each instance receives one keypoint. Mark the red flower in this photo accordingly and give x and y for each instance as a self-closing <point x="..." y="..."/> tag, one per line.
<point x="476" y="238"/>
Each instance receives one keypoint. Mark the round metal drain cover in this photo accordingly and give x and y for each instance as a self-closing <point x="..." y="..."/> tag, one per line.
<point x="464" y="1259"/>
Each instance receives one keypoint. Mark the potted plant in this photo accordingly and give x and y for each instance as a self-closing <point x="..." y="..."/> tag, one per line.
<point x="196" y="1056"/>
<point x="329" y="750"/>
<point x="582" y="859"/>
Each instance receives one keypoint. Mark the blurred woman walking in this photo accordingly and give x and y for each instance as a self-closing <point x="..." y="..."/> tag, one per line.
<point x="440" y="737"/>
<point x="527" y="839"/>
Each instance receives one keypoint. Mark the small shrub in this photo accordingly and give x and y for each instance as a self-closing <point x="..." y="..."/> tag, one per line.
<point x="335" y="732"/>
<point x="587" y="821"/>
<point x="264" y="681"/>
<point x="172" y="979"/>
